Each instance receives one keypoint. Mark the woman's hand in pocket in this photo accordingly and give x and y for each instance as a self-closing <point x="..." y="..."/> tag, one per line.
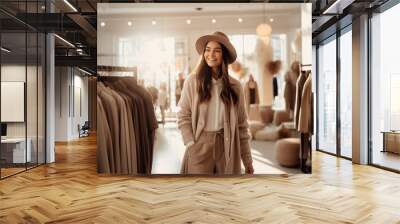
<point x="249" y="169"/>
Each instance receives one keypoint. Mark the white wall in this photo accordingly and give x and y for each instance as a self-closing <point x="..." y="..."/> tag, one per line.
<point x="172" y="23"/>
<point x="67" y="116"/>
<point x="33" y="126"/>
<point x="12" y="73"/>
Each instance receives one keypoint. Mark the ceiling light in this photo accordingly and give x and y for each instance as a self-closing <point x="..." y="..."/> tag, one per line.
<point x="43" y="7"/>
<point x="271" y="20"/>
<point x="213" y="20"/>
<point x="5" y="50"/>
<point x="129" y="23"/>
<point x="70" y="5"/>
<point x="337" y="7"/>
<point x="86" y="72"/>
<point x="79" y="50"/>
<point x="264" y="29"/>
<point x="240" y="20"/>
<point x="188" y="21"/>
<point x="153" y="22"/>
<point x="103" y="24"/>
<point x="65" y="41"/>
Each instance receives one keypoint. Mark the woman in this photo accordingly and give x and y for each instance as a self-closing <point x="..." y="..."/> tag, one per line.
<point x="251" y="93"/>
<point x="212" y="116"/>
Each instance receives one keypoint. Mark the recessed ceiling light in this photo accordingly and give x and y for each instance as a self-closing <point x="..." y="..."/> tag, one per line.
<point x="43" y="7"/>
<point x="84" y="71"/>
<point x="64" y="40"/>
<point x="271" y="20"/>
<point x="240" y="20"/>
<point x="5" y="50"/>
<point x="70" y="5"/>
<point x="103" y="24"/>
<point x="188" y="21"/>
<point x="129" y="23"/>
<point x="153" y="22"/>
<point x="213" y="20"/>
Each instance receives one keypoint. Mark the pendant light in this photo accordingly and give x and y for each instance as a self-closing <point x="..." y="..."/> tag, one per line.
<point x="264" y="30"/>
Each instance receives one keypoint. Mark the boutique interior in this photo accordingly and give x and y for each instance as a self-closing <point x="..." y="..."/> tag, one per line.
<point x="158" y="45"/>
<point x="57" y="56"/>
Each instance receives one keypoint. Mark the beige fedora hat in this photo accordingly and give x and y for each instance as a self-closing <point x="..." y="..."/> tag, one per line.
<point x="220" y="38"/>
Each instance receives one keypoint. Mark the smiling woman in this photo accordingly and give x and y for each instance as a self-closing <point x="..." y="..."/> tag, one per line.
<point x="221" y="119"/>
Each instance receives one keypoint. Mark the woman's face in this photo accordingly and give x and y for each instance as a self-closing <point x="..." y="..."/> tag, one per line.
<point x="213" y="54"/>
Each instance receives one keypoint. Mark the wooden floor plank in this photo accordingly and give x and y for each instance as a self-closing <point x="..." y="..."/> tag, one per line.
<point x="70" y="191"/>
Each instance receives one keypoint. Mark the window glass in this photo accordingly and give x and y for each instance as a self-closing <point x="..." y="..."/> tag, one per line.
<point x="385" y="84"/>
<point x="346" y="94"/>
<point x="327" y="97"/>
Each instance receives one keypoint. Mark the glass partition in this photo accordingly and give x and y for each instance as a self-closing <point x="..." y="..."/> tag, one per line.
<point x="14" y="153"/>
<point x="385" y="89"/>
<point x="346" y="94"/>
<point x="327" y="96"/>
<point x="22" y="88"/>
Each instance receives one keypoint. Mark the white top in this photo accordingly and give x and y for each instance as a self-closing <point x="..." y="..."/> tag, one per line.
<point x="216" y="108"/>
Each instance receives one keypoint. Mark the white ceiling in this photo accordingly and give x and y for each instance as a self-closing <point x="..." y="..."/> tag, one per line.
<point x="183" y="9"/>
<point x="173" y="16"/>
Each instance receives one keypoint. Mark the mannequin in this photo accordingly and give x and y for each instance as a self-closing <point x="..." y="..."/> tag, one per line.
<point x="251" y="93"/>
<point x="274" y="68"/>
<point x="262" y="55"/>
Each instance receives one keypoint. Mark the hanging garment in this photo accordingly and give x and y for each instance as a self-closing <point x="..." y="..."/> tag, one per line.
<point x="252" y="96"/>
<point x="306" y="122"/>
<point x="104" y="143"/>
<point x="149" y="119"/>
<point x="132" y="161"/>
<point x="123" y="130"/>
<point x="289" y="90"/>
<point x="139" y="114"/>
<point x="306" y="111"/>
<point x="129" y="113"/>
<point x="247" y="94"/>
<point x="305" y="152"/>
<point x="146" y="122"/>
<point x="299" y="90"/>
<point x="275" y="86"/>
<point x="110" y="107"/>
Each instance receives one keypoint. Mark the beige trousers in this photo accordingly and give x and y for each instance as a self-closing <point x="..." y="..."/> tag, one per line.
<point x="206" y="156"/>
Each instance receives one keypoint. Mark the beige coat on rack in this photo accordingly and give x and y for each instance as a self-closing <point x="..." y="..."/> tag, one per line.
<point x="247" y="95"/>
<point x="192" y="119"/>
<point x="306" y="112"/>
<point x="299" y="91"/>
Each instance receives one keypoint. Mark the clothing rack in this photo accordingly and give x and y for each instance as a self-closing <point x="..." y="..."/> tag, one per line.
<point x="304" y="111"/>
<point x="128" y="123"/>
<point x="306" y="138"/>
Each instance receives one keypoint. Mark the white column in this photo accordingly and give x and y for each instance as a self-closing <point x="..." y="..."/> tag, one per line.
<point x="360" y="90"/>
<point x="50" y="98"/>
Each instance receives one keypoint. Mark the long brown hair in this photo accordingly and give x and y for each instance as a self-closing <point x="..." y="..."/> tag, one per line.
<point x="203" y="74"/>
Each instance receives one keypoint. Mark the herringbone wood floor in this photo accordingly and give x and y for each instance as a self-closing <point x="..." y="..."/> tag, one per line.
<point x="70" y="191"/>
